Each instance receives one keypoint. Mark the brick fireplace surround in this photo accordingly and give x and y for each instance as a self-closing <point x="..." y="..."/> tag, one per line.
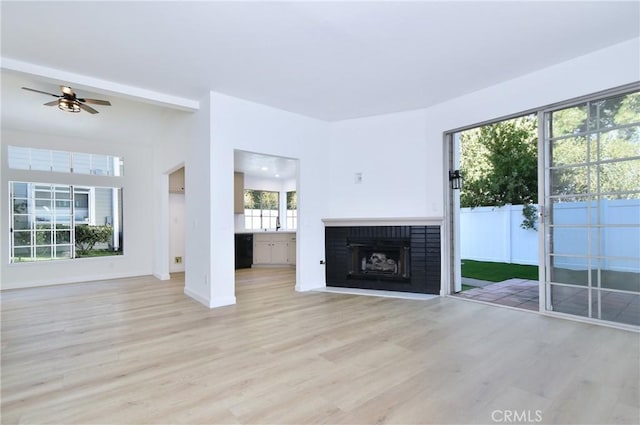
<point x="383" y="255"/>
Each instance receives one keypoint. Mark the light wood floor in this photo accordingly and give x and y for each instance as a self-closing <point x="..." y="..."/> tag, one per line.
<point x="139" y="351"/>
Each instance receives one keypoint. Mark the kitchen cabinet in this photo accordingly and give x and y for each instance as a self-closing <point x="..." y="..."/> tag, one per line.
<point x="238" y="193"/>
<point x="176" y="181"/>
<point x="274" y="249"/>
<point x="261" y="250"/>
<point x="291" y="249"/>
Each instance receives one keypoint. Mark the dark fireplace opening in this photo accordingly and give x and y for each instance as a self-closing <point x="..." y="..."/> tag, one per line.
<point x="379" y="260"/>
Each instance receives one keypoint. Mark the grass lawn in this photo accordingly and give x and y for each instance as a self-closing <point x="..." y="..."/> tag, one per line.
<point x="98" y="253"/>
<point x="497" y="272"/>
<point x="90" y="253"/>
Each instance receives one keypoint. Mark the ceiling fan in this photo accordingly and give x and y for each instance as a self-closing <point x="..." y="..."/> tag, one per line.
<point x="69" y="102"/>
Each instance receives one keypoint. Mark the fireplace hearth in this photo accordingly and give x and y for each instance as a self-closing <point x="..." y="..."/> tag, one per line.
<point x="388" y="260"/>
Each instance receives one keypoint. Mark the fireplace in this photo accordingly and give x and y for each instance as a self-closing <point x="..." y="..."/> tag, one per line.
<point x="392" y="258"/>
<point x="379" y="259"/>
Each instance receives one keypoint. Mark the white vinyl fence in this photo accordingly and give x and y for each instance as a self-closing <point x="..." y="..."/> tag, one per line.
<point x="494" y="234"/>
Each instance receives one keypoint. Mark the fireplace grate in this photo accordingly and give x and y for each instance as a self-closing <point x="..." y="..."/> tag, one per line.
<point x="379" y="259"/>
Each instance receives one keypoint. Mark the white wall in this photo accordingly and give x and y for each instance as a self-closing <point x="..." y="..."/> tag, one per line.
<point x="243" y="125"/>
<point x="170" y="149"/>
<point x="198" y="205"/>
<point x="394" y="156"/>
<point x="137" y="228"/>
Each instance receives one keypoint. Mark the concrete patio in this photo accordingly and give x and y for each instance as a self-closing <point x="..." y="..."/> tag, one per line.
<point x="520" y="293"/>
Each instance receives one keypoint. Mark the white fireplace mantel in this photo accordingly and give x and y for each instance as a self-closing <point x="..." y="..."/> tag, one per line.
<point x="383" y="221"/>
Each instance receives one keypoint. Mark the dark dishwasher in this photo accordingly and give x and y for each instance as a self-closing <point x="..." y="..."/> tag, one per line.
<point x="244" y="250"/>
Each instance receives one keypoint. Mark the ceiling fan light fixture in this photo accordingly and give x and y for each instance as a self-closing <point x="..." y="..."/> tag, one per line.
<point x="68" y="105"/>
<point x="69" y="102"/>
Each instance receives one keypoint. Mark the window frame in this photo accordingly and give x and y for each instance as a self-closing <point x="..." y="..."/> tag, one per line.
<point x="291" y="214"/>
<point x="28" y="158"/>
<point x="253" y="214"/>
<point x="45" y="213"/>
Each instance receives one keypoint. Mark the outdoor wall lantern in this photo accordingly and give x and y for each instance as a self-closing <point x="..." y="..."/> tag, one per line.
<point x="455" y="178"/>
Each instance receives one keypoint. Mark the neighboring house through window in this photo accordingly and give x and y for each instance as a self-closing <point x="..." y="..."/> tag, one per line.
<point x="45" y="216"/>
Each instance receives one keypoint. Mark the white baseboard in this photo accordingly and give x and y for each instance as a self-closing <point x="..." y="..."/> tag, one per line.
<point x="162" y="276"/>
<point x="211" y="303"/>
<point x="177" y="269"/>
<point x="320" y="287"/>
<point x="378" y="293"/>
<point x="66" y="280"/>
<point x="272" y="266"/>
<point x="195" y="296"/>
<point x="222" y="301"/>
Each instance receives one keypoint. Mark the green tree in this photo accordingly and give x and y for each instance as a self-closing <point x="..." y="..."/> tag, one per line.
<point x="583" y="178"/>
<point x="292" y="200"/>
<point x="258" y="199"/>
<point x="499" y="163"/>
<point x="580" y="150"/>
<point x="88" y="236"/>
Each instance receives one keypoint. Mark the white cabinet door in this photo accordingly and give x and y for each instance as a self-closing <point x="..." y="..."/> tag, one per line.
<point x="279" y="252"/>
<point x="276" y="249"/>
<point x="291" y="250"/>
<point x="261" y="252"/>
<point x="238" y="193"/>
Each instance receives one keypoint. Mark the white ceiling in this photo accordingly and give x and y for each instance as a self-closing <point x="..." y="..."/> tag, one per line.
<point x="265" y="166"/>
<point x="329" y="60"/>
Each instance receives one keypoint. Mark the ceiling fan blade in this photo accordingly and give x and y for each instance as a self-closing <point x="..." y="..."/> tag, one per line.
<point x="41" y="92"/>
<point x="87" y="108"/>
<point x="52" y="103"/>
<point x="67" y="90"/>
<point x="96" y="101"/>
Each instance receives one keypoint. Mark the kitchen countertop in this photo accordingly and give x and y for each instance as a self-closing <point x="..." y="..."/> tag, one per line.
<point x="257" y="232"/>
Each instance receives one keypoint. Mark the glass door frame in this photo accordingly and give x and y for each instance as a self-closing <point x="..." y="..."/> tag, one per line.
<point x="545" y="218"/>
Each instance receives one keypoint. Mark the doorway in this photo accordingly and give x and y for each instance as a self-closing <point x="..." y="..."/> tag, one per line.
<point x="177" y="221"/>
<point x="265" y="212"/>
<point x="493" y="212"/>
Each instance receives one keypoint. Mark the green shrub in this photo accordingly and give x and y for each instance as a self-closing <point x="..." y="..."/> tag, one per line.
<point x="88" y="236"/>
<point x="530" y="214"/>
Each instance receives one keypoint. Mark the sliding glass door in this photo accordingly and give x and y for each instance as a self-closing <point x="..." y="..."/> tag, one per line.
<point x="592" y="208"/>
